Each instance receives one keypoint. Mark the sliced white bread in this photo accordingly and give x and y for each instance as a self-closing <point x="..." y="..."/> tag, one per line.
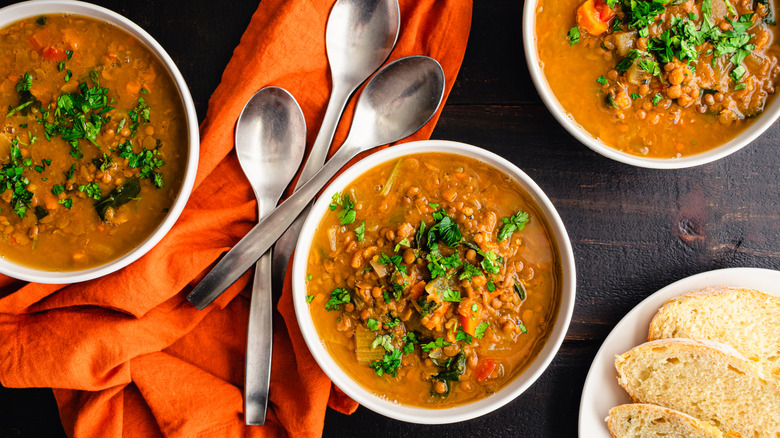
<point x="707" y="380"/>
<point x="746" y="319"/>
<point x="641" y="420"/>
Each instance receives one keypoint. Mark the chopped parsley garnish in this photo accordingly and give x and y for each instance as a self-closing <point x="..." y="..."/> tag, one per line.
<point x="395" y="260"/>
<point x="309" y="298"/>
<point x="347" y="214"/>
<point x="516" y="222"/>
<point x="360" y="231"/>
<point x="140" y="114"/>
<point x="650" y="66"/>
<point x="574" y="35"/>
<point x="389" y="363"/>
<point x="628" y="61"/>
<point x="438" y="265"/>
<point x="147" y="160"/>
<point x="338" y="297"/>
<point x="523" y="329"/>
<point x="404" y="242"/>
<point x="740" y="86"/>
<point x="92" y="190"/>
<point x="451" y="295"/>
<point x="635" y="96"/>
<point x="469" y="271"/>
<point x="67" y="202"/>
<point x="602" y="80"/>
<point x="373" y="324"/>
<point x="657" y="98"/>
<point x="520" y="289"/>
<point x="490" y="286"/>
<point x="438" y="343"/>
<point x="57" y="189"/>
<point x="309" y="277"/>
<point x="445" y="229"/>
<point x="463" y="336"/>
<point x="479" y="333"/>
<point x="11" y="178"/>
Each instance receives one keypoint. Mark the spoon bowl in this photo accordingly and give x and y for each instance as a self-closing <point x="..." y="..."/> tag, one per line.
<point x="270" y="140"/>
<point x="408" y="90"/>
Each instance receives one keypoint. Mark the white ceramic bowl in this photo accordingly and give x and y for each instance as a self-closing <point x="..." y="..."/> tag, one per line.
<point x="418" y="414"/>
<point x="764" y="121"/>
<point x="36" y="8"/>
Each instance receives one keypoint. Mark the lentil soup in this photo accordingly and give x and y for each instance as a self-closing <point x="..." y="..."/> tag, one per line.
<point x="93" y="144"/>
<point x="434" y="280"/>
<point x="659" y="78"/>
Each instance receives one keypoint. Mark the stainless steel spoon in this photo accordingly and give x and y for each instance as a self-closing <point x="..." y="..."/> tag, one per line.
<point x="359" y="38"/>
<point x="398" y="101"/>
<point x="270" y="140"/>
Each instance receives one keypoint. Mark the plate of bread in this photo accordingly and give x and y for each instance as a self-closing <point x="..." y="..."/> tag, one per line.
<point x="698" y="358"/>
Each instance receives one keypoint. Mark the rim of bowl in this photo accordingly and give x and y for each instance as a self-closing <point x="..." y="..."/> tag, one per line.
<point x="514" y="387"/>
<point x="761" y="124"/>
<point x="33" y="8"/>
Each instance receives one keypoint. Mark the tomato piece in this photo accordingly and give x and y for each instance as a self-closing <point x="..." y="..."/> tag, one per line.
<point x="484" y="369"/>
<point x="54" y="54"/>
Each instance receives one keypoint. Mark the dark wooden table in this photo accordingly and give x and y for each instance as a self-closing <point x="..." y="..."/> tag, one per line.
<point x="633" y="230"/>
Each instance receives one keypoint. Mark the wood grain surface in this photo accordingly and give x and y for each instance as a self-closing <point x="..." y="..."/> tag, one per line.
<point x="633" y="230"/>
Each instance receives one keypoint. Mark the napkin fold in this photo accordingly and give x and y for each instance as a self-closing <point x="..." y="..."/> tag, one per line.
<point x="126" y="354"/>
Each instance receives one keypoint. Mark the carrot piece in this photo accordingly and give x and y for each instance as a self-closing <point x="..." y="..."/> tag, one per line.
<point x="54" y="54"/>
<point x="594" y="16"/>
<point x="40" y="39"/>
<point x="469" y="316"/>
<point x="484" y="369"/>
<point x="416" y="291"/>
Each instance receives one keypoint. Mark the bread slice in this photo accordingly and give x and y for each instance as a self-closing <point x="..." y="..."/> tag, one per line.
<point x="640" y="420"/>
<point x="707" y="380"/>
<point x="745" y="319"/>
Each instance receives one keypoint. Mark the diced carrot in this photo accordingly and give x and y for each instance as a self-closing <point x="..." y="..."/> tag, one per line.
<point x="133" y="88"/>
<point x="484" y="369"/>
<point x="54" y="54"/>
<point x="469" y="315"/>
<point x="416" y="291"/>
<point x="594" y="16"/>
<point x="40" y="39"/>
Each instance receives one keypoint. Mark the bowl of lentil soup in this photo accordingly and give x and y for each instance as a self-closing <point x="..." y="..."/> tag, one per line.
<point x="99" y="145"/>
<point x="433" y="282"/>
<point x="656" y="83"/>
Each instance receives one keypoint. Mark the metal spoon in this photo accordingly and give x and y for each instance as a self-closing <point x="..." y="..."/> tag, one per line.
<point x="359" y="38"/>
<point x="398" y="101"/>
<point x="270" y="140"/>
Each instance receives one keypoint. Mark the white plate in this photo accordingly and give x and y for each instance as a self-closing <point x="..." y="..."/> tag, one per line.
<point x="601" y="391"/>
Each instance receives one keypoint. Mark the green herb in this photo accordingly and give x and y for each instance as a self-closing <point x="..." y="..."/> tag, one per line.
<point x="57" y="189"/>
<point x="463" y="336"/>
<point x="574" y="35"/>
<point x="740" y="86"/>
<point x="395" y="260"/>
<point x="69" y="54"/>
<point x="148" y="160"/>
<point x="438" y="343"/>
<point x="140" y="114"/>
<point x="427" y="307"/>
<point x="67" y="202"/>
<point x="439" y="265"/>
<point x="372" y="324"/>
<point x="360" y="231"/>
<point x="419" y="237"/>
<point x="635" y="96"/>
<point x="523" y="329"/>
<point x="389" y="363"/>
<point x="92" y="190"/>
<point x="309" y="277"/>
<point x="490" y="286"/>
<point x="469" y="271"/>
<point x="347" y="214"/>
<point x="445" y="230"/>
<point x="404" y="242"/>
<point x="628" y="61"/>
<point x="68" y="75"/>
<point x="451" y="295"/>
<point x="520" y="289"/>
<point x="11" y="178"/>
<point x="338" y="297"/>
<point x="309" y="298"/>
<point x="479" y="333"/>
<point x="490" y="260"/>
<point x="602" y="80"/>
<point x="398" y="290"/>
<point x="657" y="98"/>
<point x="433" y="205"/>
<point x="649" y="66"/>
<point x="60" y="66"/>
<point x="41" y="21"/>
<point x="118" y="197"/>
<point x="516" y="222"/>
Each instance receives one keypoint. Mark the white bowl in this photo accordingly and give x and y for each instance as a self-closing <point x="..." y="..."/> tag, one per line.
<point x="461" y="412"/>
<point x="761" y="124"/>
<point x="36" y="8"/>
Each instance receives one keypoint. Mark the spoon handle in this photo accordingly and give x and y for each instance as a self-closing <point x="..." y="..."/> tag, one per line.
<point x="249" y="249"/>
<point x="319" y="152"/>
<point x="257" y="376"/>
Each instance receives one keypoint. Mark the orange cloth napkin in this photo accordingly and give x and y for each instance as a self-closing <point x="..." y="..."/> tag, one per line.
<point x="126" y="354"/>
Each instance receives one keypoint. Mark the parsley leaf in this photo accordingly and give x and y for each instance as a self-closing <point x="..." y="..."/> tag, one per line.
<point x="469" y="271"/>
<point x="479" y="333"/>
<point x="360" y="231"/>
<point x="463" y="336"/>
<point x="395" y="260"/>
<point x="602" y="80"/>
<point x="347" y="214"/>
<point x="574" y="35"/>
<point x="373" y="324"/>
<point x="338" y="297"/>
<point x="516" y="222"/>
<point x="451" y="295"/>
<point x="438" y="343"/>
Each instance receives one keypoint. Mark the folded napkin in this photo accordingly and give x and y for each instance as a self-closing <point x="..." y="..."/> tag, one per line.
<point x="126" y="354"/>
